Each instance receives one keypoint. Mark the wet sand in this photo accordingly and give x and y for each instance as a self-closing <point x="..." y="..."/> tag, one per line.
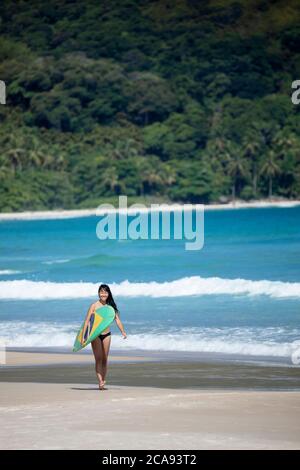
<point x="141" y="373"/>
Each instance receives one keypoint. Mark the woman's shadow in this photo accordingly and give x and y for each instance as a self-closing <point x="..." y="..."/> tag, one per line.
<point x="91" y="388"/>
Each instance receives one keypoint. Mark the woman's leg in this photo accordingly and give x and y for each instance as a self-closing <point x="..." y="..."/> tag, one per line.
<point x="98" y="354"/>
<point x="105" y="345"/>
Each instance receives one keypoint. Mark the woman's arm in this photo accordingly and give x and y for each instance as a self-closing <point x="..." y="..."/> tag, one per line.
<point x="120" y="325"/>
<point x="86" y="321"/>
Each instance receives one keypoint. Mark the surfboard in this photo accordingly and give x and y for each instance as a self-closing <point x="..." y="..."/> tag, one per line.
<point x="98" y="322"/>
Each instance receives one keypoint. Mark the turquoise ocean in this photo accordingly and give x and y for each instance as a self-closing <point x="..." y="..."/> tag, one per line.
<point x="237" y="297"/>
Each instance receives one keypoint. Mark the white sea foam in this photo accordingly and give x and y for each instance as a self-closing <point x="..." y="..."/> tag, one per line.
<point x="242" y="341"/>
<point x="9" y="271"/>
<point x="38" y="334"/>
<point x="187" y="286"/>
<point x="56" y="261"/>
<point x="187" y="343"/>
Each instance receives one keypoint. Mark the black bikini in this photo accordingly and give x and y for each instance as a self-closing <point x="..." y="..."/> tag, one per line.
<point x="104" y="336"/>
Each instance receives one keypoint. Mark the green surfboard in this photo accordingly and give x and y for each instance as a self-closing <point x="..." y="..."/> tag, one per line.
<point x="98" y="322"/>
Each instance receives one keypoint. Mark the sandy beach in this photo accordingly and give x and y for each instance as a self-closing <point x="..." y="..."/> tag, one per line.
<point x="51" y="401"/>
<point x="61" y="214"/>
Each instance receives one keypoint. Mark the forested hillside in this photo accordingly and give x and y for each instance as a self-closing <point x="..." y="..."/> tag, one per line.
<point x="178" y="100"/>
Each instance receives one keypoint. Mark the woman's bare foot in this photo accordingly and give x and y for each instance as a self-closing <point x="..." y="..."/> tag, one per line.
<point x="102" y="385"/>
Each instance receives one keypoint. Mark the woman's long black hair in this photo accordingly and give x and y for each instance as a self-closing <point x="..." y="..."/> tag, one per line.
<point x="110" y="299"/>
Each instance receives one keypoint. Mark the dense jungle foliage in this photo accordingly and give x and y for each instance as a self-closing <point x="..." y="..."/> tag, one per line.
<point x="174" y="100"/>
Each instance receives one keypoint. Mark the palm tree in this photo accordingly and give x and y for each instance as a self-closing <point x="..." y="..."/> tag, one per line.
<point x="4" y="169"/>
<point x="124" y="149"/>
<point x="252" y="152"/>
<point x="56" y="158"/>
<point x="270" y="169"/>
<point x="168" y="174"/>
<point x="235" y="168"/>
<point x="151" y="178"/>
<point x="44" y="155"/>
<point x="150" y="173"/>
<point x="48" y="159"/>
<point x="285" y="141"/>
<point x="16" y="158"/>
<point x="110" y="179"/>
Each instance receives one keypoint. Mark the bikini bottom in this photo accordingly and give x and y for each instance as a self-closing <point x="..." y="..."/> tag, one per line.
<point x="104" y="336"/>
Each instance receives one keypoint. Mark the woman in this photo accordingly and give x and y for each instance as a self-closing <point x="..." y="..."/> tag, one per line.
<point x="101" y="344"/>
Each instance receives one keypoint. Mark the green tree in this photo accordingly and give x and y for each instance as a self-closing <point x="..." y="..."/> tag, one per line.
<point x="270" y="169"/>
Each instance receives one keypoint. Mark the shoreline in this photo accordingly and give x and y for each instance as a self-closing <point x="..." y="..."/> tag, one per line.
<point x="77" y="213"/>
<point x="131" y="369"/>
